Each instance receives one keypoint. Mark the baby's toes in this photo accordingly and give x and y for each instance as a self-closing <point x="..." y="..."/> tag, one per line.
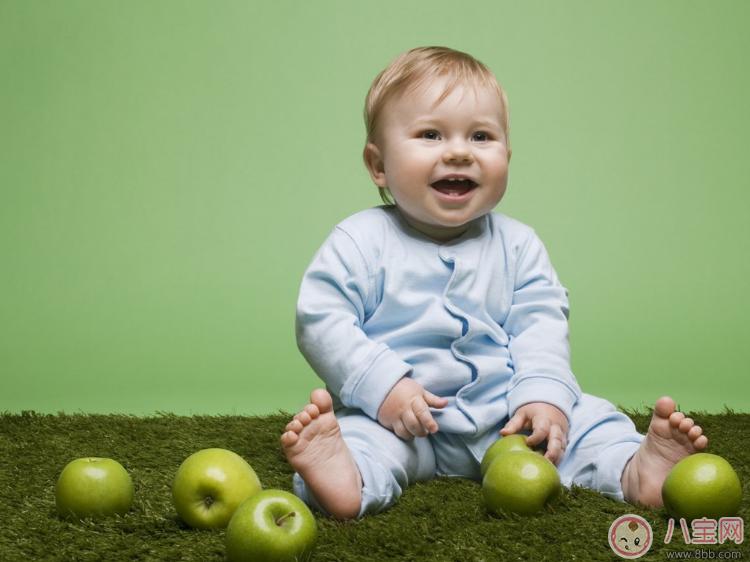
<point x="695" y="432"/>
<point x="676" y="418"/>
<point x="686" y="425"/>
<point x="701" y="443"/>
<point x="303" y="417"/>
<point x="312" y="411"/>
<point x="294" y="425"/>
<point x="289" y="438"/>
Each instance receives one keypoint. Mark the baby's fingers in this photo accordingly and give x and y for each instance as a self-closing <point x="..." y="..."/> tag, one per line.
<point x="434" y="400"/>
<point x="515" y="424"/>
<point x="400" y="430"/>
<point x="540" y="426"/>
<point x="422" y="414"/>
<point x="412" y="424"/>
<point x="556" y="444"/>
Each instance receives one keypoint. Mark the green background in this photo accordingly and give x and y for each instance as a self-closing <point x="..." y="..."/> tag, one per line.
<point x="168" y="169"/>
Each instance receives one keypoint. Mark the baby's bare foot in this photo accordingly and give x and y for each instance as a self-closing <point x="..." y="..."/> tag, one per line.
<point x="671" y="437"/>
<point x="316" y="450"/>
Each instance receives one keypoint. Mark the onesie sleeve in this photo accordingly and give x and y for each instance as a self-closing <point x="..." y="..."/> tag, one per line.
<point x="538" y="328"/>
<point x="335" y="299"/>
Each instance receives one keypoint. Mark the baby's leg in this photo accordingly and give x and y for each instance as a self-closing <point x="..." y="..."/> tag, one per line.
<point x="670" y="437"/>
<point x="601" y="440"/>
<point x="606" y="453"/>
<point x="316" y="450"/>
<point x="351" y="460"/>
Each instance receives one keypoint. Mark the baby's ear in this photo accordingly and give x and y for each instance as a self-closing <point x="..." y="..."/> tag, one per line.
<point x="374" y="161"/>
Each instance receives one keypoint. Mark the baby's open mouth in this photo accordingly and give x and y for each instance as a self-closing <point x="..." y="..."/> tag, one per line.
<point x="454" y="186"/>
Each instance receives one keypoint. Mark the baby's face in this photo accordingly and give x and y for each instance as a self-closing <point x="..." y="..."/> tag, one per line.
<point x="422" y="147"/>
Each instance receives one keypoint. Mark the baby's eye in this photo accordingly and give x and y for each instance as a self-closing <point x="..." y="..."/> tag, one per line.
<point x="431" y="135"/>
<point x="480" y="136"/>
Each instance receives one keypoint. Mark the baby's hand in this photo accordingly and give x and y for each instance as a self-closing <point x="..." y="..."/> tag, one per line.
<point x="406" y="412"/>
<point x="546" y="421"/>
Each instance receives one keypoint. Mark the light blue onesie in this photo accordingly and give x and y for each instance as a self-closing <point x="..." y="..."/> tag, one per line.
<point x="480" y="320"/>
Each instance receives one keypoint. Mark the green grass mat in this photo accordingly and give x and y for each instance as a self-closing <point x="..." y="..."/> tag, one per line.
<point x="439" y="520"/>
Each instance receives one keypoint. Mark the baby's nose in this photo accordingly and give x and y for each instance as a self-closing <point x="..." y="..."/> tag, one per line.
<point x="460" y="156"/>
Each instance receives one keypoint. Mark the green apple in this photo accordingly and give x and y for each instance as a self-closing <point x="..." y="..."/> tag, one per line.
<point x="520" y="482"/>
<point x="93" y="487"/>
<point x="702" y="485"/>
<point x="210" y="485"/>
<point x="514" y="442"/>
<point x="272" y="526"/>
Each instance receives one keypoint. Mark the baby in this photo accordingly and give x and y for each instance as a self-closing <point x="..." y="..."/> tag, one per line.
<point x="440" y="326"/>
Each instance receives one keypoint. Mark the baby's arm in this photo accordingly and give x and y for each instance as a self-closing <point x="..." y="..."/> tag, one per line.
<point x="336" y="297"/>
<point x="543" y="389"/>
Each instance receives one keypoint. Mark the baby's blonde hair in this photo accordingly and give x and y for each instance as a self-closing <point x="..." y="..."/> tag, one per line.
<point x="412" y="69"/>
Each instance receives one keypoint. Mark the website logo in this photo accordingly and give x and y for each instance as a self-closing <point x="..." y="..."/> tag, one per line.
<point x="630" y="536"/>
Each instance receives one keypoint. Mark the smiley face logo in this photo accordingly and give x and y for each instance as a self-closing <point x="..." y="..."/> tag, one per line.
<point x="630" y="536"/>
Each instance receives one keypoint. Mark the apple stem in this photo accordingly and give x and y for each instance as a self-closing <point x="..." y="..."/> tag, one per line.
<point x="281" y="520"/>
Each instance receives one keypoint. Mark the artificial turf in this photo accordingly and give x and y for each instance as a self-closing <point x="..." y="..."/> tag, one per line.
<point x="438" y="520"/>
